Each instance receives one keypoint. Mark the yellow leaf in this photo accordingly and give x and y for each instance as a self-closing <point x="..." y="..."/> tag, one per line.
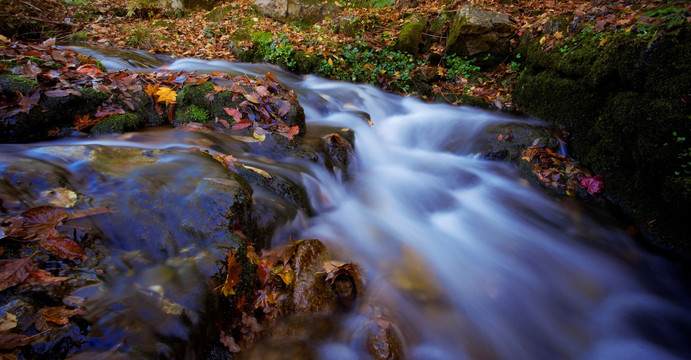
<point x="558" y="35"/>
<point x="542" y="40"/>
<point x="331" y="63"/>
<point x="151" y="90"/>
<point x="287" y="275"/>
<point x="604" y="41"/>
<point x="219" y="88"/>
<point x="260" y="137"/>
<point x="166" y="94"/>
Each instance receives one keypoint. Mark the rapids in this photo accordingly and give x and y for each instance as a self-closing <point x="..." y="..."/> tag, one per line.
<point x="466" y="258"/>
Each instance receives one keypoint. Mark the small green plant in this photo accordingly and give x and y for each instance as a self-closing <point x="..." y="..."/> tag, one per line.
<point x="79" y="36"/>
<point x="458" y="67"/>
<point x="684" y="155"/>
<point x="140" y="37"/>
<point x="198" y="114"/>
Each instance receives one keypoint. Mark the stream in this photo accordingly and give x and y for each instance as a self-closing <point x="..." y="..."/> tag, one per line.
<point x="465" y="258"/>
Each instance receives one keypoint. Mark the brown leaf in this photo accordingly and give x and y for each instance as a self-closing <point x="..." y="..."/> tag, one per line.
<point x="62" y="246"/>
<point x="32" y="223"/>
<point x="60" y="314"/>
<point x="43" y="277"/>
<point x="13" y="272"/>
<point x="56" y="93"/>
<point x="229" y="342"/>
<point x="28" y="101"/>
<point x="233" y="276"/>
<point x="11" y="341"/>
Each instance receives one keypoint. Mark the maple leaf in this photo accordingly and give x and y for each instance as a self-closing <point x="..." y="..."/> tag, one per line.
<point x="166" y="95"/>
<point x="84" y="122"/>
<point x="13" y="272"/>
<point x="233" y="276"/>
<point x="594" y="184"/>
<point x="290" y="132"/>
<point x="151" y="90"/>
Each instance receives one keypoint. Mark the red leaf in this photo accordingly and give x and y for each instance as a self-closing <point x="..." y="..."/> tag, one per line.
<point x="291" y="132"/>
<point x="14" y="272"/>
<point x="593" y="184"/>
<point x="234" y="113"/>
<point x="62" y="246"/>
<point x="242" y="124"/>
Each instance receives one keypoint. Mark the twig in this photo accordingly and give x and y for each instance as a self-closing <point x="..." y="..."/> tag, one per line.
<point x="40" y="20"/>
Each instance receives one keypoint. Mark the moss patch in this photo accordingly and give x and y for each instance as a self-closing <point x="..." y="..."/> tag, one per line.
<point x="620" y="98"/>
<point x="10" y="83"/>
<point x="117" y="124"/>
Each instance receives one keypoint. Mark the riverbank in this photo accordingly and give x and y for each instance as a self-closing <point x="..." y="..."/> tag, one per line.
<point x="626" y="117"/>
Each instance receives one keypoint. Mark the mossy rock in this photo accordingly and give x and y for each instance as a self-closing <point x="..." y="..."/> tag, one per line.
<point x="410" y="37"/>
<point x="117" y="124"/>
<point x="11" y="83"/>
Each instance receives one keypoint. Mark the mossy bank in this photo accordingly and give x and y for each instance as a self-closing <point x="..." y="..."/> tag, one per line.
<point x="624" y="99"/>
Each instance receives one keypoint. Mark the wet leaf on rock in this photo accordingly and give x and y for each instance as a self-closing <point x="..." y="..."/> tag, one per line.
<point x="233" y="276"/>
<point x="60" y="314"/>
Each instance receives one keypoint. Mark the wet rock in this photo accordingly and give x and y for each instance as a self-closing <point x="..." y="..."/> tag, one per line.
<point x="383" y="339"/>
<point x="477" y="33"/>
<point x="507" y="141"/>
<point x="307" y="11"/>
<point x="311" y="292"/>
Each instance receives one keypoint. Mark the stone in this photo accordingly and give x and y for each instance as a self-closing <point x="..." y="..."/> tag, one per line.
<point x="410" y="38"/>
<point x="479" y="33"/>
<point x="306" y="11"/>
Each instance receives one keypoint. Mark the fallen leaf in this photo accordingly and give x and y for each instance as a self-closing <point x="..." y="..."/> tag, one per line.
<point x="229" y="342"/>
<point x="166" y="95"/>
<point x="62" y="246"/>
<point x="59" y="197"/>
<point x="43" y="277"/>
<point x="8" y="321"/>
<point x="233" y="276"/>
<point x="11" y="341"/>
<point x="234" y="113"/>
<point x="13" y="272"/>
<point x="60" y="314"/>
<point x="259" y="134"/>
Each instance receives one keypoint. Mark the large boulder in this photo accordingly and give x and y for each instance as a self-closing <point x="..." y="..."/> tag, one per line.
<point x="479" y="33"/>
<point x="307" y="11"/>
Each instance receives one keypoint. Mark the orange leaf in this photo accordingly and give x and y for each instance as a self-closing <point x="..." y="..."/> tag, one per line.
<point x="60" y="314"/>
<point x="151" y="90"/>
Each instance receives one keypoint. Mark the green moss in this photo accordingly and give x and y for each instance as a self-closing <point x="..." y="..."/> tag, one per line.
<point x="92" y="97"/>
<point x="10" y="83"/>
<point x="619" y="96"/>
<point x="195" y="114"/>
<point x="117" y="124"/>
<point x="411" y="36"/>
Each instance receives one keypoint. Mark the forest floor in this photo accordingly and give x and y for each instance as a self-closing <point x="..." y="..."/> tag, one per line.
<point x="227" y="30"/>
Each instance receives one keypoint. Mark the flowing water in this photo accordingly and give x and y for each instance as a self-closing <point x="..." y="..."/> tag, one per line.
<point x="466" y="259"/>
